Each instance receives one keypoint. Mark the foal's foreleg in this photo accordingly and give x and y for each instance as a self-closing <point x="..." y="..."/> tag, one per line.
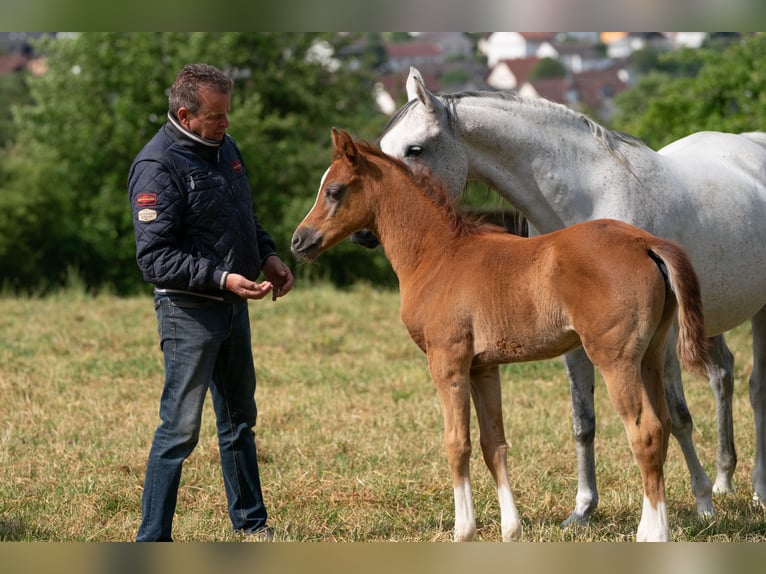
<point x="581" y="381"/>
<point x="453" y="385"/>
<point x="485" y="389"/>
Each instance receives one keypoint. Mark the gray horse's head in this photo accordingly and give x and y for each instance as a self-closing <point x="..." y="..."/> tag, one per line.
<point x="421" y="135"/>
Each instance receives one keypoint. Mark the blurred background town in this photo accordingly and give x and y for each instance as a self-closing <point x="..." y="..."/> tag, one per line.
<point x="75" y="108"/>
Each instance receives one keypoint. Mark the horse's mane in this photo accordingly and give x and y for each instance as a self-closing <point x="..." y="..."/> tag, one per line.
<point x="462" y="224"/>
<point x="610" y="139"/>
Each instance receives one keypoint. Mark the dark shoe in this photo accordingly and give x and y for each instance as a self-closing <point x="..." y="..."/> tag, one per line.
<point x="265" y="534"/>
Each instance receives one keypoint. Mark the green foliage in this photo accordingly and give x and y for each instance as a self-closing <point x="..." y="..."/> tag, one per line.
<point x="547" y="68"/>
<point x="721" y="87"/>
<point x="63" y="191"/>
<point x="13" y="90"/>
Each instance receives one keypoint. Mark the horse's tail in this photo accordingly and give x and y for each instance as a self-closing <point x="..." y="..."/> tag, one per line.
<point x="692" y="345"/>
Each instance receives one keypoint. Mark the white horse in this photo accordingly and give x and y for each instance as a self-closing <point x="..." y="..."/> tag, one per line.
<point x="706" y="191"/>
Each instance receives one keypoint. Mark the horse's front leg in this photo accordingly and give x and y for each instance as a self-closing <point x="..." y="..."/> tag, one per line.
<point x="453" y="385"/>
<point x="581" y="381"/>
<point x="485" y="389"/>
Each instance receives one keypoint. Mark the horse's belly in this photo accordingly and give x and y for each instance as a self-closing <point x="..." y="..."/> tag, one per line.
<point x="535" y="345"/>
<point x="730" y="300"/>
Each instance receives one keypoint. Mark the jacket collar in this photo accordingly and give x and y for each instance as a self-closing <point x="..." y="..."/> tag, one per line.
<point x="212" y="144"/>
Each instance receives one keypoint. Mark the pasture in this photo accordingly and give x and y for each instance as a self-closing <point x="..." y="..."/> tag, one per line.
<point x="349" y="431"/>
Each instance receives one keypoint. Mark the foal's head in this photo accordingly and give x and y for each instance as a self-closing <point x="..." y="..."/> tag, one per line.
<point x="342" y="207"/>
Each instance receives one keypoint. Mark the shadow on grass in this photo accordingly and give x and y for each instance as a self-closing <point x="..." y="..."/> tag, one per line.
<point x="15" y="529"/>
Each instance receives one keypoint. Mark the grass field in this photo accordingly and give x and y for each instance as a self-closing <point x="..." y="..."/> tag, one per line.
<point x="349" y="432"/>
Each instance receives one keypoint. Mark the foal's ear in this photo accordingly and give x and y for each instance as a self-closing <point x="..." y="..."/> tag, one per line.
<point x="344" y="145"/>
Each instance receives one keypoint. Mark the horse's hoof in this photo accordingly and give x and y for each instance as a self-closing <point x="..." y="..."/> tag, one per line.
<point x="576" y="519"/>
<point x="723" y="486"/>
<point x="705" y="508"/>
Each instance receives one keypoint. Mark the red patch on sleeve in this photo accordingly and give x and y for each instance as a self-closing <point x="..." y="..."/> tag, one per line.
<point x="144" y="199"/>
<point x="236" y="165"/>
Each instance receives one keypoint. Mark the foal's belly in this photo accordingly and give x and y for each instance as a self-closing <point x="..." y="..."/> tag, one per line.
<point x="531" y="346"/>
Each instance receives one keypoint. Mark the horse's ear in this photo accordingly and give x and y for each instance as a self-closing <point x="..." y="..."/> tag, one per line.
<point x="416" y="88"/>
<point x="344" y="145"/>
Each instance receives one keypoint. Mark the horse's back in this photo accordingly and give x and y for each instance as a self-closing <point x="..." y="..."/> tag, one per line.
<point x="721" y="155"/>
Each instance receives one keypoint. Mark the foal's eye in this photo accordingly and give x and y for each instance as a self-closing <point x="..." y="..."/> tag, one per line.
<point x="413" y="151"/>
<point x="334" y="191"/>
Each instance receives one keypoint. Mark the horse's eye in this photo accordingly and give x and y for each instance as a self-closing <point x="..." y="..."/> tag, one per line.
<point x="334" y="191"/>
<point x="413" y="151"/>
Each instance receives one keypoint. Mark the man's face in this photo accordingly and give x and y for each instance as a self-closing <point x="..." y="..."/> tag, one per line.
<point x="212" y="119"/>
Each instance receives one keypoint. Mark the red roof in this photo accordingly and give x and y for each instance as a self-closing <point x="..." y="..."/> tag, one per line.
<point x="594" y="86"/>
<point x="411" y="49"/>
<point x="553" y="89"/>
<point x="538" y="36"/>
<point x="520" y="67"/>
<point x="12" y="63"/>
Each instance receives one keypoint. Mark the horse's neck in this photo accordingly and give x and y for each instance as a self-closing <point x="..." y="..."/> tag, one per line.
<point x="411" y="228"/>
<point x="549" y="162"/>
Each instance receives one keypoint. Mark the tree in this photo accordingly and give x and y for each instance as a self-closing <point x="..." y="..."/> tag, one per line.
<point x="547" y="68"/>
<point x="63" y="196"/>
<point x="722" y="87"/>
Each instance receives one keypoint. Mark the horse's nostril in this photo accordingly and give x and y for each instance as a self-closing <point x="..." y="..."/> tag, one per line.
<point x="305" y="242"/>
<point x="296" y="242"/>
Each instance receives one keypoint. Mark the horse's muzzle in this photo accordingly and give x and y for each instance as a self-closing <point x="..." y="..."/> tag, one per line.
<point x="306" y="243"/>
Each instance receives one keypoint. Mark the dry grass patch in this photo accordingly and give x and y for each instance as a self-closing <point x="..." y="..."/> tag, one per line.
<point x="349" y="431"/>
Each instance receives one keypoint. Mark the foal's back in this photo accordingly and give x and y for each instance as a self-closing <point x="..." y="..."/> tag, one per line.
<point x="522" y="299"/>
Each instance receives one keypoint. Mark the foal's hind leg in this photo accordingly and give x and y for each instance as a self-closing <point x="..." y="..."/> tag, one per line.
<point x="758" y="402"/>
<point x="722" y="384"/>
<point x="643" y="410"/>
<point x="485" y="389"/>
<point x="682" y="427"/>
<point x="581" y="381"/>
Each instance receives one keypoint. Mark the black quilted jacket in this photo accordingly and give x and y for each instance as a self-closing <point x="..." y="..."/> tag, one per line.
<point x="193" y="213"/>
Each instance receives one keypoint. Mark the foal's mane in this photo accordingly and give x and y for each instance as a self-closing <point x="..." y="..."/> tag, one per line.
<point x="462" y="224"/>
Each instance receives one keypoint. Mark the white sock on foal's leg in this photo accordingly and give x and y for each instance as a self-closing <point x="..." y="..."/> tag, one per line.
<point x="465" y="519"/>
<point x="654" y="523"/>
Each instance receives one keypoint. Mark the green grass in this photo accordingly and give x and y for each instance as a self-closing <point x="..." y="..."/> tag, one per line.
<point x="349" y="431"/>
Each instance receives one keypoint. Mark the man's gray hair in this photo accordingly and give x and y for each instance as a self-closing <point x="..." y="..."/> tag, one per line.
<point x="185" y="89"/>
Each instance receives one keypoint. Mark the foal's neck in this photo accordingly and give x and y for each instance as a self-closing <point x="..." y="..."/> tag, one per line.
<point x="411" y="226"/>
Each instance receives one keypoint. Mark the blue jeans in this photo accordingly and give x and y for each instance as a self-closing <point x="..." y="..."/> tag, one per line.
<point x="206" y="344"/>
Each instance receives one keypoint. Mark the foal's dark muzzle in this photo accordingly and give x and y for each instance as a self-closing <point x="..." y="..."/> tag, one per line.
<point x="306" y="243"/>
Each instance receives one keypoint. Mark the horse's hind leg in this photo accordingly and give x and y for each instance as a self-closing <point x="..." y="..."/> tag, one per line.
<point x="758" y="402"/>
<point x="485" y="389"/>
<point x="682" y="427"/>
<point x="722" y="384"/>
<point x="643" y="410"/>
<point x="581" y="381"/>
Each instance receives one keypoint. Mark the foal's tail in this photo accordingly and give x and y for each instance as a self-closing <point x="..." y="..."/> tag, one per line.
<point x="692" y="345"/>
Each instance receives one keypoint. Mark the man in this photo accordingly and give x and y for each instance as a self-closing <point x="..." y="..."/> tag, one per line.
<point x="201" y="246"/>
